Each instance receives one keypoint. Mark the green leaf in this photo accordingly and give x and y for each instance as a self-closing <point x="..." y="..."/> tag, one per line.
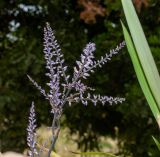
<point x="140" y="74"/>
<point x="157" y="143"/>
<point x="142" y="59"/>
<point x="95" y="153"/>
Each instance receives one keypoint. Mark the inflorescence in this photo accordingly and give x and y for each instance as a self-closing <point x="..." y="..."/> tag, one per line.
<point x="65" y="88"/>
<point x="31" y="135"/>
<point x="61" y="84"/>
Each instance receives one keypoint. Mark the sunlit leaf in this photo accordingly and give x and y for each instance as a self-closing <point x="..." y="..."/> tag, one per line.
<point x="142" y="59"/>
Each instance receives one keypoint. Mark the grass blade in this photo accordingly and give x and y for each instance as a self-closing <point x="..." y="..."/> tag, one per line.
<point x="141" y="74"/>
<point x="142" y="59"/>
<point x="157" y="143"/>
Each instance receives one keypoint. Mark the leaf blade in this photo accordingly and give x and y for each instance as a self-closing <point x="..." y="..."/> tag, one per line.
<point x="144" y="55"/>
<point x="141" y="74"/>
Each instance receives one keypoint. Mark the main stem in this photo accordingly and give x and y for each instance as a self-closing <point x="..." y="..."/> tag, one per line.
<point x="55" y="122"/>
<point x="55" y="132"/>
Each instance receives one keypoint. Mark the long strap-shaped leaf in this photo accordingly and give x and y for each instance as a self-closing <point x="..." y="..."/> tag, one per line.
<point x="141" y="75"/>
<point x="142" y="59"/>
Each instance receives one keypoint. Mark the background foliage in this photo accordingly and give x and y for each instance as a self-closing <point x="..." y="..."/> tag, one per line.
<point x="75" y="23"/>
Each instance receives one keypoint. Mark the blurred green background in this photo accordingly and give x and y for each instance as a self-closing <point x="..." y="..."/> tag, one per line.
<point x="75" y="22"/>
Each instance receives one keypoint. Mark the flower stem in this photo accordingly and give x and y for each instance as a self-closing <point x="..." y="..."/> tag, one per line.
<point x="55" y="132"/>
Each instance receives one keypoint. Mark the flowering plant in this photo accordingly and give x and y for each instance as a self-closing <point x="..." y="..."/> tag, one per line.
<point x="65" y="88"/>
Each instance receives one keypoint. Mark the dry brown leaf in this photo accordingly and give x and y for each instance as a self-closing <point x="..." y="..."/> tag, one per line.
<point x="140" y="3"/>
<point x="91" y="10"/>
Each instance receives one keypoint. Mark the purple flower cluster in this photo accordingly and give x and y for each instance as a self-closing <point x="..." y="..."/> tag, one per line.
<point x="86" y="63"/>
<point x="65" y="89"/>
<point x="31" y="139"/>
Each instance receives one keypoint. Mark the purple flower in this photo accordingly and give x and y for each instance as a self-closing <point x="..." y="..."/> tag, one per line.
<point x="63" y="87"/>
<point x="31" y="139"/>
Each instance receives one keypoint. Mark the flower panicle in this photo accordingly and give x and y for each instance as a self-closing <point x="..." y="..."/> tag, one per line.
<point x="66" y="89"/>
<point x="31" y="135"/>
<point x="79" y="97"/>
<point x="42" y="91"/>
<point x="88" y="62"/>
<point x="53" y="55"/>
<point x="107" y="57"/>
<point x="63" y="87"/>
<point x="100" y="99"/>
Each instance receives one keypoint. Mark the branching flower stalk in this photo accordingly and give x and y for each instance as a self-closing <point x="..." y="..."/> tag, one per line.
<point x="70" y="89"/>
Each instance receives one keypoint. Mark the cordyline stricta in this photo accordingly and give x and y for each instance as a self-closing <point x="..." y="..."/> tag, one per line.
<point x="66" y="89"/>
